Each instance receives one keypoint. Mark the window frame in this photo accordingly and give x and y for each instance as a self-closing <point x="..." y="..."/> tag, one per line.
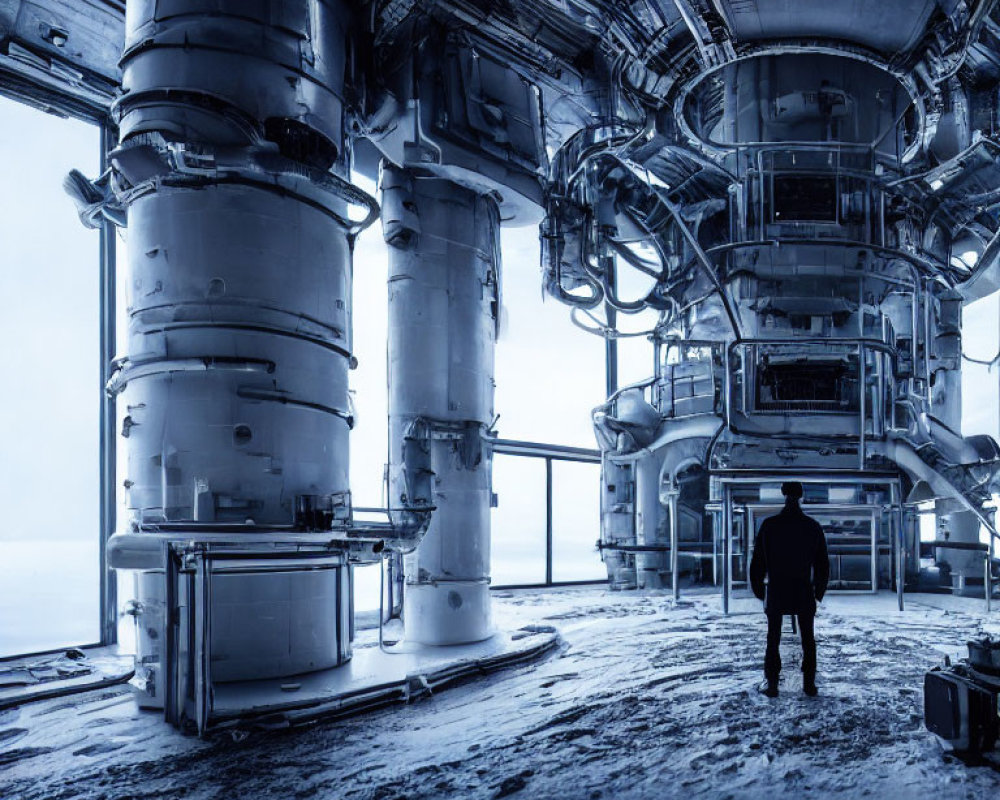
<point x="105" y="524"/>
<point x="548" y="453"/>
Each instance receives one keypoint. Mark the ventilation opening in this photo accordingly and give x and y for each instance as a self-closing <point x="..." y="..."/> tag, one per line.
<point x="301" y="143"/>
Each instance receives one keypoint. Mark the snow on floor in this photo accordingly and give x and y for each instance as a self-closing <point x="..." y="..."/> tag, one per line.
<point x="646" y="700"/>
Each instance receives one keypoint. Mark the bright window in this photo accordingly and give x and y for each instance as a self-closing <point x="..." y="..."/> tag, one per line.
<point x="517" y="552"/>
<point x="370" y="436"/>
<point x="576" y="522"/>
<point x="50" y="406"/>
<point x="549" y="373"/>
<point x="980" y="381"/>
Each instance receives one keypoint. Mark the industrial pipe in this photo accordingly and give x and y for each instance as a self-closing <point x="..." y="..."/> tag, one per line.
<point x="444" y="295"/>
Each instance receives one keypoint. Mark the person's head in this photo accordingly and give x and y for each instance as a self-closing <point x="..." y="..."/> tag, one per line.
<point x="792" y="490"/>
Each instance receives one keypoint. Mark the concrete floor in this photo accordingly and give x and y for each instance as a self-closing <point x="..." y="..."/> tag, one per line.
<point x="644" y="699"/>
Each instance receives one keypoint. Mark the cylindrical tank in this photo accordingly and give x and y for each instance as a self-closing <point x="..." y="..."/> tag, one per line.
<point x="235" y="383"/>
<point x="236" y="378"/>
<point x="444" y="272"/>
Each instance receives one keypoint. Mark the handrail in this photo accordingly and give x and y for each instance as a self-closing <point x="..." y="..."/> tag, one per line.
<point x="559" y="452"/>
<point x="874" y="344"/>
<point x="900" y="450"/>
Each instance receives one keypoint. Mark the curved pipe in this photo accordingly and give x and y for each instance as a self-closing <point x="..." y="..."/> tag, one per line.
<point x="702" y="426"/>
<point x="553" y="271"/>
<point x="607" y="403"/>
<point x="601" y="276"/>
<point x="706" y="265"/>
<point x="553" y="285"/>
<point x="703" y="261"/>
<point x="693" y="452"/>
<point x="927" y="429"/>
<point x="621" y="249"/>
<point x="904" y="455"/>
<point x="123" y="371"/>
<point x="625" y="306"/>
<point x="603" y="330"/>
<point x="277" y="396"/>
<point x="268" y="171"/>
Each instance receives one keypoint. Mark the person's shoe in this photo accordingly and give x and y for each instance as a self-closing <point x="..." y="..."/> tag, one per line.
<point x="809" y="687"/>
<point x="769" y="689"/>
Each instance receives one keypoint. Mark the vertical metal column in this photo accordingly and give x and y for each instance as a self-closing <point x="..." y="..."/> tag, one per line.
<point x="898" y="521"/>
<point x="873" y="525"/>
<point x="610" y="343"/>
<point x="862" y="403"/>
<point x="672" y="506"/>
<point x="108" y="270"/>
<point x="989" y="573"/>
<point x="988" y="567"/>
<point x="727" y="543"/>
<point x="987" y="580"/>
<point x="443" y="306"/>
<point x="548" y="520"/>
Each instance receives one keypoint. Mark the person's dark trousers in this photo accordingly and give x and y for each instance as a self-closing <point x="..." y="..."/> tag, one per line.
<point x="772" y="659"/>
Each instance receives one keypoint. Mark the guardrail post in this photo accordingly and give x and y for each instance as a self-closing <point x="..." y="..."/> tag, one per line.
<point x="548" y="521"/>
<point x="727" y="543"/>
<point x="674" y="541"/>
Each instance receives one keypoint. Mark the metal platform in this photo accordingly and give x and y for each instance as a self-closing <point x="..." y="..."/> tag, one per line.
<point x="373" y="678"/>
<point x="24" y="680"/>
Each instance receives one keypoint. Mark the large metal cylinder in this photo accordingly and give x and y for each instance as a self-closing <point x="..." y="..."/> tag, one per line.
<point x="444" y="269"/>
<point x="236" y="377"/>
<point x="239" y="305"/>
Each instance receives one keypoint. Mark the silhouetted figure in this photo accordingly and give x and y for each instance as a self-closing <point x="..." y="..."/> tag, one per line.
<point x="790" y="551"/>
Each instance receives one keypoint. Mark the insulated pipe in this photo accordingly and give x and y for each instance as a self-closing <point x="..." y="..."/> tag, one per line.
<point x="444" y="272"/>
<point x="239" y="318"/>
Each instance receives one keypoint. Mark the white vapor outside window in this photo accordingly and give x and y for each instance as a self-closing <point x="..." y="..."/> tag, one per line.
<point x="50" y="406"/>
<point x="981" y="381"/>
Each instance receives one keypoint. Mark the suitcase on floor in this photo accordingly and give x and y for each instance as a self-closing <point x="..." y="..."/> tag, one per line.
<point x="961" y="708"/>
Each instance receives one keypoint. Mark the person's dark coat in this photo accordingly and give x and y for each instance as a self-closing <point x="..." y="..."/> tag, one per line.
<point x="790" y="550"/>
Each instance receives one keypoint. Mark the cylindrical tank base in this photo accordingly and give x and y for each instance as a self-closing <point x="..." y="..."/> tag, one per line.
<point x="266" y="621"/>
<point x="451" y="612"/>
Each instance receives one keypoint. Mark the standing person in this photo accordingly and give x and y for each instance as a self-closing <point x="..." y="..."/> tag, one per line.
<point x="790" y="551"/>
